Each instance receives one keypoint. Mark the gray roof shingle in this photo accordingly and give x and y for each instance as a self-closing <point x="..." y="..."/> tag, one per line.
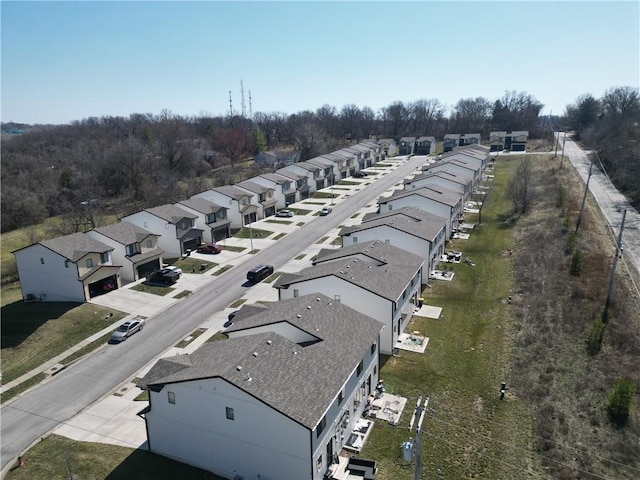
<point x="299" y="381"/>
<point x="375" y="266"/>
<point x="201" y="205"/>
<point x="432" y="192"/>
<point x="124" y="232"/>
<point x="75" y="246"/>
<point x="426" y="227"/>
<point x="170" y="213"/>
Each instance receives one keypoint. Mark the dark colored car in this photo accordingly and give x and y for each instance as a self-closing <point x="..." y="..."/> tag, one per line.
<point x="259" y="273"/>
<point x="359" y="174"/>
<point x="209" y="248"/>
<point x="166" y="276"/>
<point x="230" y="318"/>
<point x="284" y="213"/>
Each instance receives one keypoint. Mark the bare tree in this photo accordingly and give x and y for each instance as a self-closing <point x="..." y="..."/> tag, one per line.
<point x="518" y="189"/>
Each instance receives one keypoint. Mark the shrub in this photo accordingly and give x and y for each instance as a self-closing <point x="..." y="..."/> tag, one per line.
<point x="560" y="197"/>
<point x="570" y="243"/>
<point x="620" y="401"/>
<point x="576" y="263"/>
<point x="595" y="337"/>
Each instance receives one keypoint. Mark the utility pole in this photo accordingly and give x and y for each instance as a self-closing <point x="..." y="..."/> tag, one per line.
<point x="230" y="106"/>
<point x="613" y="268"/>
<point x="557" y="137"/>
<point x="584" y="197"/>
<point x="250" y="109"/>
<point x="564" y="139"/>
<point x="418" y="418"/>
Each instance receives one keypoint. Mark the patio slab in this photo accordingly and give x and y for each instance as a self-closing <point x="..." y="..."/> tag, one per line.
<point x="441" y="275"/>
<point x="428" y="311"/>
<point x="388" y="407"/>
<point x="412" y="342"/>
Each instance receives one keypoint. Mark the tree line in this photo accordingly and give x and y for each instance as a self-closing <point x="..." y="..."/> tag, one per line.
<point x="610" y="125"/>
<point x="117" y="165"/>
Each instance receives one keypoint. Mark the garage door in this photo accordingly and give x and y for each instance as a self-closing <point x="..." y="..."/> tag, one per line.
<point x="147" y="268"/>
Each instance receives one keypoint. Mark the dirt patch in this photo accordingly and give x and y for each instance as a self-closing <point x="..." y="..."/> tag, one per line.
<point x="553" y="312"/>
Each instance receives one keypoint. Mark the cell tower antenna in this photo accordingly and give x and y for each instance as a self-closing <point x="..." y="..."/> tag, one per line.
<point x="250" y="109"/>
<point x="230" y="105"/>
<point x="244" y="110"/>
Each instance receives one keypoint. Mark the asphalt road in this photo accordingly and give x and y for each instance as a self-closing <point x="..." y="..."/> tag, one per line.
<point x="31" y="416"/>
<point x="611" y="202"/>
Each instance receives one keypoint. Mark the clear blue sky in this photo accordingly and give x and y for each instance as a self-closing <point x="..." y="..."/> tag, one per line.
<point x="64" y="61"/>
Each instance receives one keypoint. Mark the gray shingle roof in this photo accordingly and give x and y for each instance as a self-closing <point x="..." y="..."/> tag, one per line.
<point x="201" y="205"/>
<point x="277" y="178"/>
<point x="75" y="246"/>
<point x="170" y="213"/>
<point x="445" y="174"/>
<point x="300" y="385"/>
<point x="232" y="192"/>
<point x="427" y="227"/>
<point x="433" y="192"/>
<point x="254" y="187"/>
<point x="124" y="232"/>
<point x="374" y="266"/>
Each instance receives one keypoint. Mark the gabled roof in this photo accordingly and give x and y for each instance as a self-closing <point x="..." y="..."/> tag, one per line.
<point x="375" y="266"/>
<point x="321" y="162"/>
<point x="201" y="205"/>
<point x="254" y="187"/>
<point x="232" y="192"/>
<point x="75" y="246"/>
<point x="408" y="139"/>
<point x="426" y="139"/>
<point x="343" y="153"/>
<point x="427" y="227"/>
<point x="431" y="192"/>
<point x="124" y="232"/>
<point x="299" y="381"/>
<point x="444" y="174"/>
<point x="275" y="178"/>
<point x="452" y="136"/>
<point x="290" y="175"/>
<point x="386" y="141"/>
<point x="170" y="213"/>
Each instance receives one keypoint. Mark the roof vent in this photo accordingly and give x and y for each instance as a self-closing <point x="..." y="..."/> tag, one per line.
<point x="317" y="299"/>
<point x="308" y="307"/>
<point x="247" y="378"/>
<point x="255" y="354"/>
<point x="295" y="353"/>
<point x="239" y="368"/>
<point x="299" y="316"/>
<point x="269" y="342"/>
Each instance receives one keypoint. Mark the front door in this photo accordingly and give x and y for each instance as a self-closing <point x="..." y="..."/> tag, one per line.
<point x="330" y="452"/>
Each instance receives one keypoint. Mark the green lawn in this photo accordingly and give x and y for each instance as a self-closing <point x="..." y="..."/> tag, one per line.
<point x="153" y="289"/>
<point x="255" y="232"/>
<point x="231" y="248"/>
<point x="57" y="457"/>
<point x="33" y="333"/>
<point x="464" y="363"/>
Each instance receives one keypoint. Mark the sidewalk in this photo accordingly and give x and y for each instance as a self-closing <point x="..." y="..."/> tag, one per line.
<point x="151" y="304"/>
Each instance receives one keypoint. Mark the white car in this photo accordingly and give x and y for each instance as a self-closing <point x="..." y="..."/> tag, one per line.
<point x="325" y="211"/>
<point x="178" y="270"/>
<point x="127" y="329"/>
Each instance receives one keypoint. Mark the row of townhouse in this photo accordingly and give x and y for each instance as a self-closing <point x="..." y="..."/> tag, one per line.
<point x="77" y="267"/>
<point x="498" y="141"/>
<point x="279" y="397"/>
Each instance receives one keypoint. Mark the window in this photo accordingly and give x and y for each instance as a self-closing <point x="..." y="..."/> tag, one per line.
<point x="42" y="260"/>
<point x="171" y="397"/>
<point x="89" y="262"/>
<point x="66" y="264"/>
<point x="355" y="240"/>
<point x="373" y="348"/>
<point x="149" y="243"/>
<point x="230" y="414"/>
<point x="319" y="463"/>
<point x="360" y="367"/>
<point x="222" y="214"/>
<point x="336" y="298"/>
<point x="340" y="397"/>
<point x="321" y="426"/>
<point x="132" y="249"/>
<point x="296" y="293"/>
<point x="375" y="369"/>
<point x="104" y="257"/>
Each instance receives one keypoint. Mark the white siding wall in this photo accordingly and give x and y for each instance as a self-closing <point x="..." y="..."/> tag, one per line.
<point x="407" y="242"/>
<point x="195" y="430"/>
<point x="353" y="296"/>
<point x="200" y="222"/>
<point x="233" y="209"/>
<point x="127" y="272"/>
<point x="167" y="241"/>
<point x="422" y="203"/>
<point x="277" y="193"/>
<point x="51" y="281"/>
<point x="311" y="181"/>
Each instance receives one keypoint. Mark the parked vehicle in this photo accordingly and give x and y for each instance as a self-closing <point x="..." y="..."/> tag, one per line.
<point x="359" y="174"/>
<point x="284" y="213"/>
<point x="209" y="248"/>
<point x="165" y="276"/>
<point x="259" y="273"/>
<point x="175" y="269"/>
<point x="325" y="211"/>
<point x="230" y="318"/>
<point x="127" y="329"/>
